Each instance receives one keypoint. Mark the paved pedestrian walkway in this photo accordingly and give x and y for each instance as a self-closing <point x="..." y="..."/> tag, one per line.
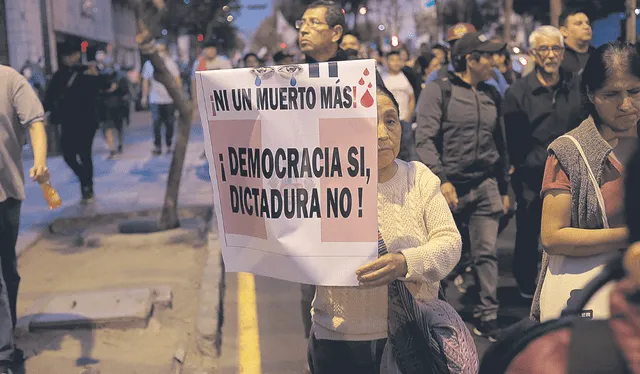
<point x="133" y="181"/>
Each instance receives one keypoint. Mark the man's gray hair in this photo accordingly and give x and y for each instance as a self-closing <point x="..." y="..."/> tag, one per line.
<point x="548" y="31"/>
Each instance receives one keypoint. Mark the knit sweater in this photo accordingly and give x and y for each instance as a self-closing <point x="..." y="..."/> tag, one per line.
<point x="414" y="219"/>
<point x="585" y="210"/>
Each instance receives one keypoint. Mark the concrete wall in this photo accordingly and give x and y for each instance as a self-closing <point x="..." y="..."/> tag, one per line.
<point x="68" y="18"/>
<point x="24" y="31"/>
<point x="125" y="45"/>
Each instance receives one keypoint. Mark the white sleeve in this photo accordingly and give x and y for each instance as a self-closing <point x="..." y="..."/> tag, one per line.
<point x="433" y="261"/>
<point x="147" y="70"/>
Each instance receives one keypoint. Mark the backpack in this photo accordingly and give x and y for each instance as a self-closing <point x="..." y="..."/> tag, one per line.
<point x="593" y="347"/>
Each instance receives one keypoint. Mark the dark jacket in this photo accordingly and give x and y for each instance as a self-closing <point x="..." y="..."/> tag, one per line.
<point x="341" y="55"/>
<point x="535" y="115"/>
<point x="571" y="61"/>
<point x="75" y="105"/>
<point x="468" y="146"/>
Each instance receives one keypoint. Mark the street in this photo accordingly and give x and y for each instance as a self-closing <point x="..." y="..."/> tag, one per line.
<point x="277" y="340"/>
<point x="262" y="330"/>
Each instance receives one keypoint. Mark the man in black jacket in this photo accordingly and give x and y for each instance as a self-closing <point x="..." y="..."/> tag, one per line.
<point x="537" y="109"/>
<point x="576" y="29"/>
<point x="71" y="99"/>
<point x="459" y="137"/>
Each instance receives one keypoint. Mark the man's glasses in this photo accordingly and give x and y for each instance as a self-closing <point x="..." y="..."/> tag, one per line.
<point x="312" y="23"/>
<point x="544" y="50"/>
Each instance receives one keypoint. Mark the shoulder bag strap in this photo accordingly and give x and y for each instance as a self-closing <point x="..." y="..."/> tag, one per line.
<point x="605" y="220"/>
<point x="593" y="349"/>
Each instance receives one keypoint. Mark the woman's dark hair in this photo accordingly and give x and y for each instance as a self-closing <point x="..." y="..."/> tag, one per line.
<point x="443" y="49"/>
<point x="632" y="196"/>
<point x="607" y="59"/>
<point x="385" y="91"/>
<point x="250" y="54"/>
<point x="422" y="63"/>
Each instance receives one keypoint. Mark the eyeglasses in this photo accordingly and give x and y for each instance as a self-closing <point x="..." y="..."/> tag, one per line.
<point x="312" y="23"/>
<point x="545" y="50"/>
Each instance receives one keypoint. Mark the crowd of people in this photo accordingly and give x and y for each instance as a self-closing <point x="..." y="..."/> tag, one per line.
<point x="465" y="141"/>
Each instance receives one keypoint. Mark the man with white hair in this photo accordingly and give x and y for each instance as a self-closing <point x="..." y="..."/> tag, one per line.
<point x="537" y="109"/>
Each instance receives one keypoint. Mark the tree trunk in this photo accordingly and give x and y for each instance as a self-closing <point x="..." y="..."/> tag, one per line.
<point x="508" y="12"/>
<point x="631" y="20"/>
<point x="556" y="10"/>
<point x="147" y="45"/>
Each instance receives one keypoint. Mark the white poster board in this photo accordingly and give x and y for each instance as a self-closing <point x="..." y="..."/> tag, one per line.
<point x="293" y="161"/>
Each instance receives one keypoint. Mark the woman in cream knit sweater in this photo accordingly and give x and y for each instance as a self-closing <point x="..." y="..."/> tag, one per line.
<point x="350" y="323"/>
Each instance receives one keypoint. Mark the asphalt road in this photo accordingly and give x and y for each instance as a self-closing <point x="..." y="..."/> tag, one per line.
<point x="279" y="336"/>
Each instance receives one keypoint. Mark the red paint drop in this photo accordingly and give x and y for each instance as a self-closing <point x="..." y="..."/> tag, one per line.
<point x="361" y="82"/>
<point x="370" y="85"/>
<point x="366" y="72"/>
<point x="366" y="100"/>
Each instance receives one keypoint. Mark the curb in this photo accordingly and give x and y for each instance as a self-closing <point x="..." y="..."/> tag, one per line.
<point x="31" y="236"/>
<point x="212" y="288"/>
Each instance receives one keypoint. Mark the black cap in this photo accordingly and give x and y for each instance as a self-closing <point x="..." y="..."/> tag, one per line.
<point x="210" y="43"/>
<point x="68" y="48"/>
<point x="474" y="42"/>
<point x="281" y="55"/>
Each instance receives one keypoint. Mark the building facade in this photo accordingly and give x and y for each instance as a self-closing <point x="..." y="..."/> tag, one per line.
<point x="103" y="24"/>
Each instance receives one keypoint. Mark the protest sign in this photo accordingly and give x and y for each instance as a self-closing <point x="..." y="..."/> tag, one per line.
<point x="293" y="161"/>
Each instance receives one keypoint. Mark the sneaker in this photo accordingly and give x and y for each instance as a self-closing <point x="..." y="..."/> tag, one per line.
<point x="169" y="150"/>
<point x="157" y="151"/>
<point x="487" y="329"/>
<point x="112" y="155"/>
<point x="525" y="295"/>
<point x="87" y="196"/>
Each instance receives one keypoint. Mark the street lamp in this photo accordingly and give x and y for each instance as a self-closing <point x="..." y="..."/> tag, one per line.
<point x="225" y="8"/>
<point x="395" y="41"/>
<point x="363" y="10"/>
<point x="229" y="18"/>
<point x="381" y="27"/>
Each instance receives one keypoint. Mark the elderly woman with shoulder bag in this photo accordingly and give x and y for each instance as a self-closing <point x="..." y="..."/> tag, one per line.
<point x="583" y="222"/>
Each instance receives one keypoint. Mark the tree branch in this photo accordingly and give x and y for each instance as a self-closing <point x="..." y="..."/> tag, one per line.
<point x="145" y="11"/>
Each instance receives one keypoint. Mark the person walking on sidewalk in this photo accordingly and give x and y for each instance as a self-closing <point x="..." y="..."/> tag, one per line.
<point x="537" y="109"/>
<point x="459" y="137"/>
<point x="160" y="102"/>
<point x="20" y="110"/>
<point x="319" y="34"/>
<point x="400" y="86"/>
<point x="115" y="98"/>
<point x="71" y="101"/>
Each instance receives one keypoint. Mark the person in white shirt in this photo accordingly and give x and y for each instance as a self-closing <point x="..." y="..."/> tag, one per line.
<point x="160" y="102"/>
<point x="396" y="82"/>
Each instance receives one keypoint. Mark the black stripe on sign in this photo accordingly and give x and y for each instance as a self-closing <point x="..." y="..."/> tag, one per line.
<point x="314" y="71"/>
<point x="333" y="69"/>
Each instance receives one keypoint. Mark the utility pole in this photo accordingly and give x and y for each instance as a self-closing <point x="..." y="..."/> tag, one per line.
<point x="631" y="20"/>
<point x="508" y="12"/>
<point x="556" y="10"/>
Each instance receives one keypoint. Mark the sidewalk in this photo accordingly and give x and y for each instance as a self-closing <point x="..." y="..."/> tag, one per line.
<point x="134" y="181"/>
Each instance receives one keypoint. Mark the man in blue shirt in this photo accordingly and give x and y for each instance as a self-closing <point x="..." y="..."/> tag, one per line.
<point x="456" y="32"/>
